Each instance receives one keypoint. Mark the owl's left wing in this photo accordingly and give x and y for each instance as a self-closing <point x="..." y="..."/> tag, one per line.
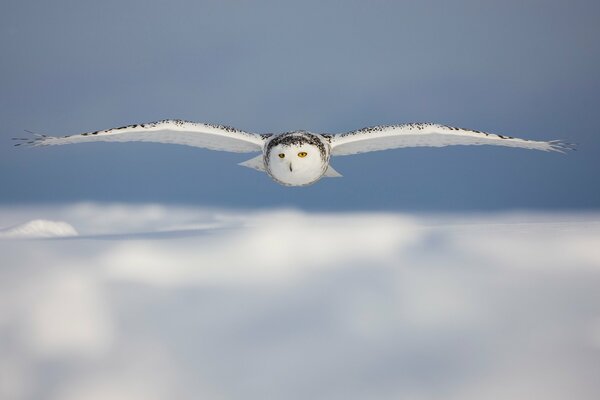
<point x="424" y="134"/>
<point x="214" y="137"/>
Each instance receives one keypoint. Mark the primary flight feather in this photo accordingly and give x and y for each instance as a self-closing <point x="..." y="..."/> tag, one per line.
<point x="295" y="158"/>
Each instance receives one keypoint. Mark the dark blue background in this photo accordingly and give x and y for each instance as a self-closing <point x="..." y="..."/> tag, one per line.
<point x="528" y="69"/>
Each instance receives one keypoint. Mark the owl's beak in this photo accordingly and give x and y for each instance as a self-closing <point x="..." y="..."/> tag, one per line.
<point x="291" y="167"/>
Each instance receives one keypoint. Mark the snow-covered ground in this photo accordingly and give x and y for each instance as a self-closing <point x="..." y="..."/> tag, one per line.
<point x="154" y="302"/>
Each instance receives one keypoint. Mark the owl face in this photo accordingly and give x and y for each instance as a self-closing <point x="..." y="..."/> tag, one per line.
<point x="296" y="162"/>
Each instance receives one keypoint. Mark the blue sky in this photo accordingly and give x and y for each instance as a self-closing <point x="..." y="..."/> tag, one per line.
<point x="528" y="69"/>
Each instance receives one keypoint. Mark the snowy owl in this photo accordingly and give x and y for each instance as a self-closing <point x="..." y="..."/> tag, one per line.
<point x="296" y="158"/>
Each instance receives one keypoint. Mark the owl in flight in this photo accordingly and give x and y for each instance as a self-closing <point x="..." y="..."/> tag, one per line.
<point x="295" y="158"/>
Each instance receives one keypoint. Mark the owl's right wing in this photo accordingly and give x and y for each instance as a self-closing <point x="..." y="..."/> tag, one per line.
<point x="424" y="134"/>
<point x="213" y="137"/>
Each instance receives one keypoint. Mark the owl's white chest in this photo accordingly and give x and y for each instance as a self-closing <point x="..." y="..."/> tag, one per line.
<point x="296" y="158"/>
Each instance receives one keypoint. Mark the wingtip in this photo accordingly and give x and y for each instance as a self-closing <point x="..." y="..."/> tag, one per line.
<point x="37" y="140"/>
<point x="561" y="147"/>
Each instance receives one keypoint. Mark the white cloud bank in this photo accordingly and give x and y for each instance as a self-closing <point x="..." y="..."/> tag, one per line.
<point x="154" y="302"/>
<point x="38" y="228"/>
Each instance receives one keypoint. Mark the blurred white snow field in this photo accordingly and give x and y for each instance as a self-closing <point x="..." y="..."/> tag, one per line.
<point x="159" y="302"/>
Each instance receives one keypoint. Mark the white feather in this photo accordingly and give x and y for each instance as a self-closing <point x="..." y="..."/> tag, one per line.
<point x="214" y="137"/>
<point x="432" y="135"/>
<point x="257" y="163"/>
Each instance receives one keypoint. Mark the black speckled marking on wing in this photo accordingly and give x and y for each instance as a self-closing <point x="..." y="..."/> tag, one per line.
<point x="176" y="122"/>
<point x="39" y="140"/>
<point x="419" y="126"/>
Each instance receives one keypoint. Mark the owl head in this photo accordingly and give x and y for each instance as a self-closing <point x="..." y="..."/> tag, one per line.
<point x="296" y="158"/>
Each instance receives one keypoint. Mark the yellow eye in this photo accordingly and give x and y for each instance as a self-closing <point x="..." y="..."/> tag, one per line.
<point x="302" y="154"/>
<point x="281" y="155"/>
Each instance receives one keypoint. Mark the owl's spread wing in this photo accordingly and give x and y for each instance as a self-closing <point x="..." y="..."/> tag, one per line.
<point x="432" y="135"/>
<point x="214" y="137"/>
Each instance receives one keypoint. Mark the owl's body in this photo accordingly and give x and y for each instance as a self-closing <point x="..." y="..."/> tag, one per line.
<point x="296" y="158"/>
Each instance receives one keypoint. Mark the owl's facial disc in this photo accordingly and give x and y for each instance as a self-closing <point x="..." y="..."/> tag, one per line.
<point x="294" y="165"/>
